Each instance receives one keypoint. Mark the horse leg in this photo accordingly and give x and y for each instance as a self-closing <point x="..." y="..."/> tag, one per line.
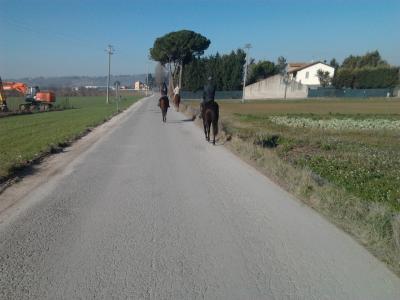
<point x="213" y="126"/>
<point x="215" y="129"/>
<point x="205" y="128"/>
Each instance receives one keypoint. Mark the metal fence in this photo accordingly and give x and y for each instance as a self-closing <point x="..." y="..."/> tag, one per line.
<point x="351" y="93"/>
<point x="218" y="95"/>
<point x="312" y="93"/>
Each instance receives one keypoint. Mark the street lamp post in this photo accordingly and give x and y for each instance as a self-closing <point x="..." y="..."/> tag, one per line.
<point x="247" y="49"/>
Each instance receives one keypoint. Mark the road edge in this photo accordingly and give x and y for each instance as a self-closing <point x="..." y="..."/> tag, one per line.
<point x="52" y="164"/>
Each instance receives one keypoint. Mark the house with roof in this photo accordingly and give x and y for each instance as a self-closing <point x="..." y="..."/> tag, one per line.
<point x="306" y="73"/>
<point x="302" y="77"/>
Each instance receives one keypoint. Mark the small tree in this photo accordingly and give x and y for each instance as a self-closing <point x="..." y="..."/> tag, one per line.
<point x="281" y="65"/>
<point x="333" y="63"/>
<point x="324" y="78"/>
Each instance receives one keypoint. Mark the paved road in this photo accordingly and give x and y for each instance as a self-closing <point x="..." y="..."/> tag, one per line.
<point x="152" y="211"/>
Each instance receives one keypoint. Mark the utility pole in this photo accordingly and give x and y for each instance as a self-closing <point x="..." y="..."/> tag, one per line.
<point x="147" y="79"/>
<point x="116" y="85"/>
<point x="110" y="51"/>
<point x="247" y="49"/>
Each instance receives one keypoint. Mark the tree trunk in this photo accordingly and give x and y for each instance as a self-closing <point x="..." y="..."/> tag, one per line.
<point x="171" y="86"/>
<point x="180" y="75"/>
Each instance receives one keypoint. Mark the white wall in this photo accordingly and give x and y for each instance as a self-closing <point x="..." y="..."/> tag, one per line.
<point x="312" y="79"/>
<point x="274" y="88"/>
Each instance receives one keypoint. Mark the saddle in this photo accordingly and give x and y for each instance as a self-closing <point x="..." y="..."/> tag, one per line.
<point x="163" y="98"/>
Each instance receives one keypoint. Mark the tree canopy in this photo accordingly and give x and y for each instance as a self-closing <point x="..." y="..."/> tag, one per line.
<point x="366" y="71"/>
<point x="370" y="59"/>
<point x="333" y="63"/>
<point x="261" y="70"/>
<point x="226" y="70"/>
<point x="178" y="48"/>
<point x="281" y="65"/>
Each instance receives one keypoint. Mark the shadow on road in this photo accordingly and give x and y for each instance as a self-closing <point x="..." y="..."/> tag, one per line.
<point x="180" y="121"/>
<point x="217" y="143"/>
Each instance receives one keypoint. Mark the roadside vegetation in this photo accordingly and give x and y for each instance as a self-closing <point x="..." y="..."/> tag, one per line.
<point x="342" y="157"/>
<point x="368" y="71"/>
<point x="25" y="138"/>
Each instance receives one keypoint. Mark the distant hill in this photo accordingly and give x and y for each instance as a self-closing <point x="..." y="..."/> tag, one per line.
<point x="76" y="81"/>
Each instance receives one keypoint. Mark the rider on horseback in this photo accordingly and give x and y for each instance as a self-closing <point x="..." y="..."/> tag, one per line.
<point x="208" y="97"/>
<point x="176" y="90"/>
<point x="164" y="93"/>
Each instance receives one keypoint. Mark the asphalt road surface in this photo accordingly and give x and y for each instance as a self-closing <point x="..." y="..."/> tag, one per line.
<point x="153" y="211"/>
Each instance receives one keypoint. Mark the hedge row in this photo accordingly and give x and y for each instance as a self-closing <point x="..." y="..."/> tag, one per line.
<point x="366" y="78"/>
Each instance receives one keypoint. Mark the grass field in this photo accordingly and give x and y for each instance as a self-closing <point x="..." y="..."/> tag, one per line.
<point x="352" y="143"/>
<point x="26" y="137"/>
<point x="340" y="156"/>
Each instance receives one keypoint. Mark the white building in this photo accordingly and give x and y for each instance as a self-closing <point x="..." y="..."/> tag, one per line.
<point x="138" y="85"/>
<point x="307" y="73"/>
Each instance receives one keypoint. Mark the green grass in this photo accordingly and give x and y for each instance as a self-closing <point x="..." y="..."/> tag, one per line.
<point x="349" y="174"/>
<point x="26" y="137"/>
<point x="364" y="162"/>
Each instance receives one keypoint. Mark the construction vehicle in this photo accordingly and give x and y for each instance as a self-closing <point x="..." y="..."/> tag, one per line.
<point x="3" y="102"/>
<point x="34" y="98"/>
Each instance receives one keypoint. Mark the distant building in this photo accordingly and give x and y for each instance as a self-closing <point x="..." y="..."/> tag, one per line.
<point x="140" y="86"/>
<point x="95" y="87"/>
<point x="306" y="73"/>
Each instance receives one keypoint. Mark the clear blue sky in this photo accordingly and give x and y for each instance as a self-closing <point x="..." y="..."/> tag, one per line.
<point x="68" y="37"/>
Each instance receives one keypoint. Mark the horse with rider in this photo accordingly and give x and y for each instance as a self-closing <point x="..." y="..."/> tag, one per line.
<point x="163" y="102"/>
<point x="209" y="110"/>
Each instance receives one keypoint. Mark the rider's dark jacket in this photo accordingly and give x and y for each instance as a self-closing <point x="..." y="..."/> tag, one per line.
<point x="164" y="90"/>
<point x="208" y="93"/>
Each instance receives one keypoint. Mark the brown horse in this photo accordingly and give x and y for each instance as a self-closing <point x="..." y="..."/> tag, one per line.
<point x="210" y="117"/>
<point x="177" y="101"/>
<point x="164" y="104"/>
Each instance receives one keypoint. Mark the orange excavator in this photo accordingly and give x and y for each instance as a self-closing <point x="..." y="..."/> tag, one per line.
<point x="34" y="98"/>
